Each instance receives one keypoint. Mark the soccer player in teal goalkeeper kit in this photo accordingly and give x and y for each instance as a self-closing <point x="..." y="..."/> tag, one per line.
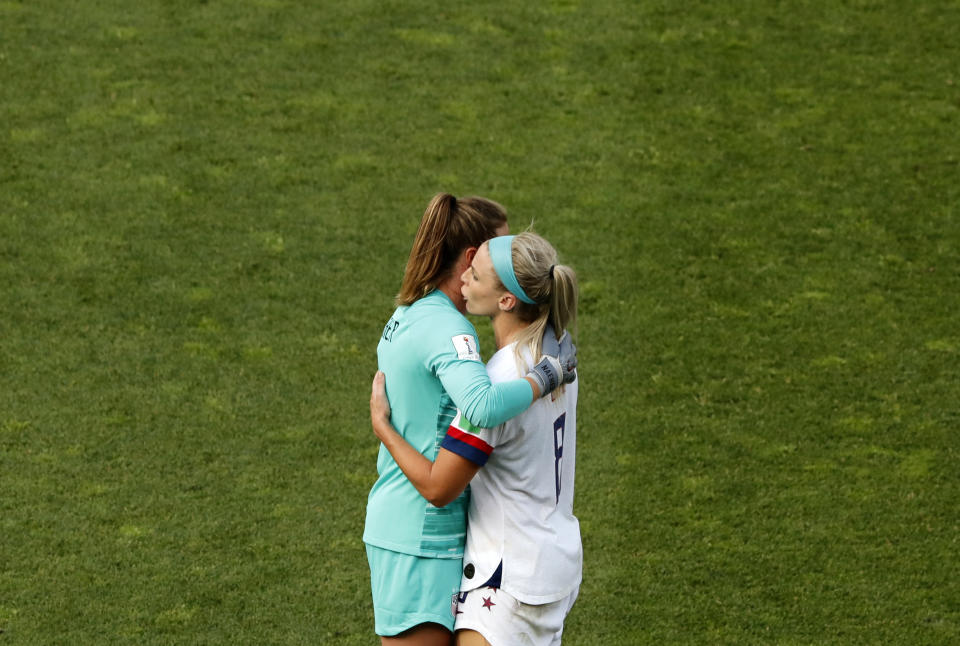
<point x="429" y="353"/>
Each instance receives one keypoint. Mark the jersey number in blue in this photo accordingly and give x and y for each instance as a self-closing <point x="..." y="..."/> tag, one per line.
<point x="558" y="428"/>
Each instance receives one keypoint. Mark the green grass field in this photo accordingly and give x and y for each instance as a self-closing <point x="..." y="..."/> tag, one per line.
<point x="205" y="208"/>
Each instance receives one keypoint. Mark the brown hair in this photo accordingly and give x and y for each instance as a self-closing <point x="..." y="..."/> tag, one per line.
<point x="448" y="226"/>
<point x="552" y="287"/>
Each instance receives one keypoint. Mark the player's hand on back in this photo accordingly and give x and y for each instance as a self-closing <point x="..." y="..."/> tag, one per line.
<point x="563" y="350"/>
<point x="559" y="361"/>
<point x="379" y="404"/>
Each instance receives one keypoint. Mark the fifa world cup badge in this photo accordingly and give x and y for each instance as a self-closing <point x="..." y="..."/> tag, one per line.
<point x="466" y="347"/>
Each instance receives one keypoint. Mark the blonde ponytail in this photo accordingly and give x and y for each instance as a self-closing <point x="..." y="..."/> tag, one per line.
<point x="552" y="287"/>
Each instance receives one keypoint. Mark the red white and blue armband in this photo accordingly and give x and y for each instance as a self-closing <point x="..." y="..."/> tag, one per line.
<point x="463" y="438"/>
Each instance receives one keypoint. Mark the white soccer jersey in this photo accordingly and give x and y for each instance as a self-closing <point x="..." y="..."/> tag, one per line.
<point x="522" y="535"/>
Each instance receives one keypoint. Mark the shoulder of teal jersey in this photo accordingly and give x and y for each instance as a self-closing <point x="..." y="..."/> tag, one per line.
<point x="443" y="318"/>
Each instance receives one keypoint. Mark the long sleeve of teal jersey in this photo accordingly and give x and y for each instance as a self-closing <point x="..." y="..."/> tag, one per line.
<point x="483" y="403"/>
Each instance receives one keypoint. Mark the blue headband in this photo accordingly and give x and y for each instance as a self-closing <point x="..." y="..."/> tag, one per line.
<point x="501" y="253"/>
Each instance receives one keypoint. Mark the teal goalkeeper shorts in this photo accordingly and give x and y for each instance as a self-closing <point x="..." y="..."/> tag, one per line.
<point x="411" y="590"/>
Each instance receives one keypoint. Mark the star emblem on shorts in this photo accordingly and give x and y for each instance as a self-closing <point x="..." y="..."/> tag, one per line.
<point x="487" y="603"/>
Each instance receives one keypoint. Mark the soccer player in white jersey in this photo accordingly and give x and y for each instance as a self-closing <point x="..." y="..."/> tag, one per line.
<point x="523" y="558"/>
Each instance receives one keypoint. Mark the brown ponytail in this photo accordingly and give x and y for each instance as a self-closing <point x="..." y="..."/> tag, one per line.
<point x="448" y="226"/>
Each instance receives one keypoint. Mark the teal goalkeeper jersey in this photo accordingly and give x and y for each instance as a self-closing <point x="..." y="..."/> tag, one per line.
<point x="429" y="353"/>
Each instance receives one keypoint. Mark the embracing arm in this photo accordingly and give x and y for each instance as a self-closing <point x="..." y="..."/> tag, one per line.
<point x="439" y="482"/>
<point x="487" y="405"/>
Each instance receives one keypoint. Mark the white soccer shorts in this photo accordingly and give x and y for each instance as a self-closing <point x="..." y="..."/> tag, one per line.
<point x="504" y="621"/>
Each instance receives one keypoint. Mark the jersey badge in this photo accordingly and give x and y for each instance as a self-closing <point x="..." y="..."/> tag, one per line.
<point x="466" y="347"/>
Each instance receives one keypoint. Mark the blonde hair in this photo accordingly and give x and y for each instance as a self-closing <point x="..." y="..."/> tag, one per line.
<point x="552" y="287"/>
<point x="448" y="226"/>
